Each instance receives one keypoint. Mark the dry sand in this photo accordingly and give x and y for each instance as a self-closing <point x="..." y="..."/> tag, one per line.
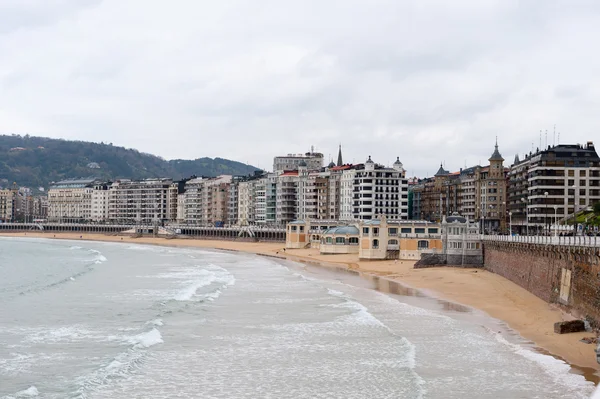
<point x="529" y="315"/>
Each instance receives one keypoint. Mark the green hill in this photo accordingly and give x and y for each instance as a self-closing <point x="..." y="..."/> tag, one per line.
<point x="37" y="161"/>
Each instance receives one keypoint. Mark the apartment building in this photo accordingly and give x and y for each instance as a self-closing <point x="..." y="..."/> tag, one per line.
<point x="207" y="200"/>
<point x="551" y="185"/>
<point x="312" y="160"/>
<point x="478" y="193"/>
<point x="140" y="201"/>
<point x="193" y="201"/>
<point x="247" y="203"/>
<point x="371" y="190"/>
<point x="71" y="200"/>
<point x="287" y="196"/>
<point x="7" y="204"/>
<point x="100" y="194"/>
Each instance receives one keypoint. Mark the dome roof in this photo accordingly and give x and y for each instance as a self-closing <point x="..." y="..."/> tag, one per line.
<point x="456" y="218"/>
<point x="369" y="160"/>
<point x="397" y="161"/>
<point x="350" y="230"/>
<point x="331" y="165"/>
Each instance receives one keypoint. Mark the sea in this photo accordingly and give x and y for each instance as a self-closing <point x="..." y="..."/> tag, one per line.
<point x="83" y="319"/>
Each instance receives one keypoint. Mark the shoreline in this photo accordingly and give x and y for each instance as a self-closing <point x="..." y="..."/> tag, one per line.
<point x="529" y="316"/>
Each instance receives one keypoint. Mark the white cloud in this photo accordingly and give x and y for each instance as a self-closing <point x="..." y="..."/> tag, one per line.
<point x="428" y="81"/>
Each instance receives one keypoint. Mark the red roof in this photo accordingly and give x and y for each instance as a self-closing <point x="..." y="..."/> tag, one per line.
<point x="343" y="167"/>
<point x="290" y="173"/>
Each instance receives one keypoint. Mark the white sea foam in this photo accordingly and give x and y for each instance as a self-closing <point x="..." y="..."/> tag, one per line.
<point x="99" y="257"/>
<point x="211" y="275"/>
<point x="156" y="322"/>
<point x="147" y="339"/>
<point x="30" y="392"/>
<point x="189" y="291"/>
<point x="74" y="247"/>
<point x="72" y="278"/>
<point x="555" y="368"/>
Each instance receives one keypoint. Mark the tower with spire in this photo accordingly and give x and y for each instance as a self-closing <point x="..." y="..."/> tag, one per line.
<point x="339" y="160"/>
<point x="496" y="167"/>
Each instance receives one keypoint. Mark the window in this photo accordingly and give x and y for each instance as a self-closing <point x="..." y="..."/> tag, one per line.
<point x="293" y="228"/>
<point x="423" y="244"/>
<point x="419" y="230"/>
<point x="582" y="173"/>
<point x="353" y="241"/>
<point x="571" y="173"/>
<point x="393" y="231"/>
<point x="375" y="231"/>
<point x="432" y="230"/>
<point x="365" y="230"/>
<point x="375" y="244"/>
<point x="301" y="229"/>
<point x="406" y="230"/>
<point x="329" y="240"/>
<point x="340" y="240"/>
<point x="393" y="242"/>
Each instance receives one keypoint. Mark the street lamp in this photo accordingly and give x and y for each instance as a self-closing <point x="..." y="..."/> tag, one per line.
<point x="574" y="187"/>
<point x="526" y="215"/>
<point x="555" y="221"/>
<point x="510" y="223"/>
<point x="545" y="207"/>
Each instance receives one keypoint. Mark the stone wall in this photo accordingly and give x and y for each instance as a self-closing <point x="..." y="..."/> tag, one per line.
<point x="566" y="275"/>
<point x="440" y="259"/>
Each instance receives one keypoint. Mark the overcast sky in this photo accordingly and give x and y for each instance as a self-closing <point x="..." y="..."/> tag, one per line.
<point x="427" y="81"/>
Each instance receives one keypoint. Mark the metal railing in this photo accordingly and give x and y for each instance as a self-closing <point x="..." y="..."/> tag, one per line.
<point x="581" y="241"/>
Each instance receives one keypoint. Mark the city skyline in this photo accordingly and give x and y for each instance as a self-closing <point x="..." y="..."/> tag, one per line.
<point x="424" y="81"/>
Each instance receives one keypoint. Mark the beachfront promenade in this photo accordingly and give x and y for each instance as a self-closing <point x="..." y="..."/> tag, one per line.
<point x="258" y="233"/>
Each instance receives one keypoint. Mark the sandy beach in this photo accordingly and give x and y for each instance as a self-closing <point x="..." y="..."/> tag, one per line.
<point x="522" y="311"/>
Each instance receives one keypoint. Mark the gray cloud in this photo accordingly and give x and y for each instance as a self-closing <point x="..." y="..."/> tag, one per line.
<point x="428" y="81"/>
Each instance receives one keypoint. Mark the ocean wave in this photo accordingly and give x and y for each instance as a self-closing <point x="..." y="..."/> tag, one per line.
<point x="99" y="257"/>
<point x="212" y="274"/>
<point x="555" y="368"/>
<point x="122" y="365"/>
<point x="30" y="392"/>
<point x="147" y="339"/>
<point x="75" y="247"/>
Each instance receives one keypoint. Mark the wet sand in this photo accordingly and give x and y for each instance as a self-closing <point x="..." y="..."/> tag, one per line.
<point x="522" y="311"/>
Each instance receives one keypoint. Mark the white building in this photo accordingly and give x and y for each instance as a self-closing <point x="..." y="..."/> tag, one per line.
<point x="100" y="198"/>
<point x="371" y="190"/>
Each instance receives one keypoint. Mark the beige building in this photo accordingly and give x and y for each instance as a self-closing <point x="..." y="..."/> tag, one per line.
<point x="7" y="203"/>
<point x="207" y="200"/>
<point x="374" y="239"/>
<point x="71" y="200"/>
<point x="140" y="201"/>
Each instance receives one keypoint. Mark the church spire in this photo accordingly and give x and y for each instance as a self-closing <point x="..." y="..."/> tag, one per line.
<point x="339" y="160"/>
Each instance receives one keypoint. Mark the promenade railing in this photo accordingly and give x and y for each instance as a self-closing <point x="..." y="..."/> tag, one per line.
<point x="581" y="241"/>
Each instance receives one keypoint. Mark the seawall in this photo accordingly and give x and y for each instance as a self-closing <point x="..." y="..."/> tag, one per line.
<point x="565" y="275"/>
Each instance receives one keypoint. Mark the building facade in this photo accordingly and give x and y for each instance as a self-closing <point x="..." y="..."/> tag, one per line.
<point x="139" y="201"/>
<point x="550" y="186"/>
<point x="313" y="161"/>
<point x="71" y="200"/>
<point x="369" y="190"/>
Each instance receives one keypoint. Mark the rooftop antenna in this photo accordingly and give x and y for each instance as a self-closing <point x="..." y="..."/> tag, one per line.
<point x="540" y="139"/>
<point x="554" y="138"/>
<point x="546" y="142"/>
<point x="558" y="142"/>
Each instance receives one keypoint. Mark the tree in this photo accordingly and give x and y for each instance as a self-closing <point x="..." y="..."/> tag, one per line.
<point x="597" y="208"/>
